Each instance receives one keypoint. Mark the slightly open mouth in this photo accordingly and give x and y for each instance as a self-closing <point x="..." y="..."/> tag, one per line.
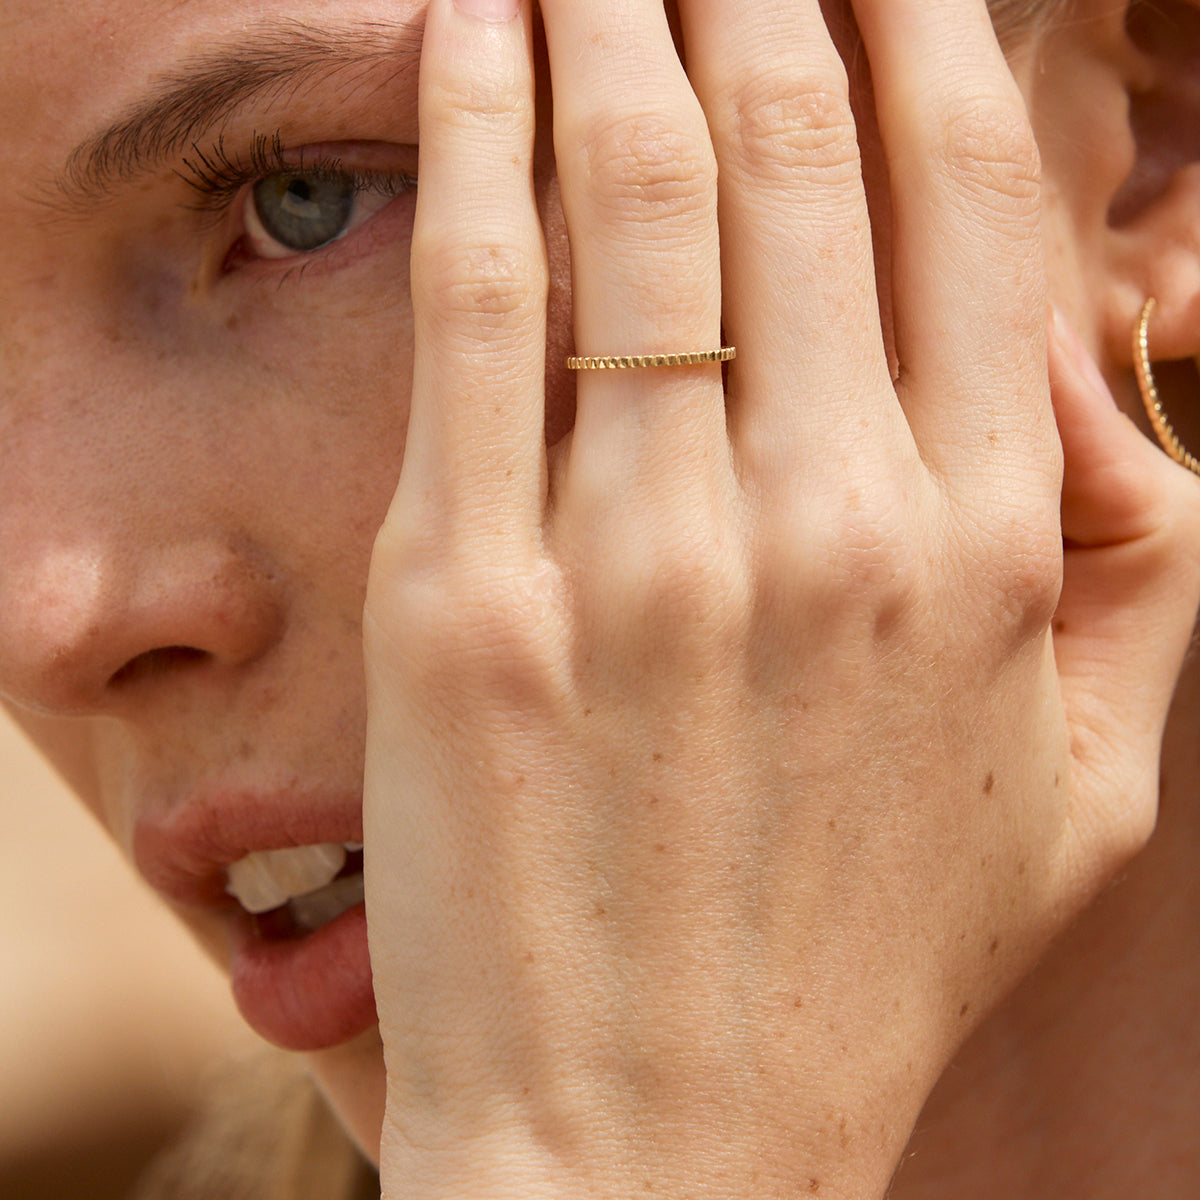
<point x="305" y="914"/>
<point x="295" y="890"/>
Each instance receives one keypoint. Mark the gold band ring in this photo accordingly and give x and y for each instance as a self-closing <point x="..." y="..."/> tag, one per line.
<point x="623" y="362"/>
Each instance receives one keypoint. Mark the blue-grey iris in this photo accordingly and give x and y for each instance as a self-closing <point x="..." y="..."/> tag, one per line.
<point x="303" y="212"/>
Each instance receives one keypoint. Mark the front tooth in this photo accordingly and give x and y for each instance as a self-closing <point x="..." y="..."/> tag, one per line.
<point x="321" y="907"/>
<point x="268" y="878"/>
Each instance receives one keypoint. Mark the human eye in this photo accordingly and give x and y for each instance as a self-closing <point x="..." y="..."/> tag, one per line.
<point x="296" y="212"/>
<point x="284" y="204"/>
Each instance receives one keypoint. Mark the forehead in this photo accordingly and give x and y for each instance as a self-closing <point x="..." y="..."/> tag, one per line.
<point x="72" y="68"/>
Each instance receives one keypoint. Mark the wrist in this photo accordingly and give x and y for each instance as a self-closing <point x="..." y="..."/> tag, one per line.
<point x="734" y="1152"/>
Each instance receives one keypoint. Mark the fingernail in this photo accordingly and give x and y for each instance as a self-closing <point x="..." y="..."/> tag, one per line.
<point x="1070" y="341"/>
<point x="489" y="10"/>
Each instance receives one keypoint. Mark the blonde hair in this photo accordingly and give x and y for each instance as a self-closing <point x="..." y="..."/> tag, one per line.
<point x="263" y="1132"/>
<point x="1014" y="19"/>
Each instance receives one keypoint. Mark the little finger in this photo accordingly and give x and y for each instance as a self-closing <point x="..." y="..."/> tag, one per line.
<point x="968" y="270"/>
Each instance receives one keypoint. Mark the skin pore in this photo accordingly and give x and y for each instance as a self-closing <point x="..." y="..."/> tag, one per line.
<point x="124" y="538"/>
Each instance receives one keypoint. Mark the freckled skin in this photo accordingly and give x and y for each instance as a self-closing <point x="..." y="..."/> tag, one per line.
<point x="213" y="456"/>
<point x="198" y="464"/>
<point x="213" y="452"/>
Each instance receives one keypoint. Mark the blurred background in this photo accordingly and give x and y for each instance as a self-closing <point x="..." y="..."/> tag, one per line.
<point x="110" y="1018"/>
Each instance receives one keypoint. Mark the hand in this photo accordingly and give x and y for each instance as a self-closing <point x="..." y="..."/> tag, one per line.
<point x="721" y="772"/>
<point x="1131" y="532"/>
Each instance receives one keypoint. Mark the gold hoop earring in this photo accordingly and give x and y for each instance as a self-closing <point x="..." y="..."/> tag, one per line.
<point x="1167" y="438"/>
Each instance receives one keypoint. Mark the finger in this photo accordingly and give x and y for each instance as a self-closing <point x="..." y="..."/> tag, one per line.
<point x="968" y="272"/>
<point x="798" y="270"/>
<point x="474" y="459"/>
<point x="636" y="172"/>
<point x="1131" y="520"/>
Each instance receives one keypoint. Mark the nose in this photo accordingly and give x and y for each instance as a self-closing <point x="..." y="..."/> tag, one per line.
<point x="86" y="624"/>
<point x="135" y="549"/>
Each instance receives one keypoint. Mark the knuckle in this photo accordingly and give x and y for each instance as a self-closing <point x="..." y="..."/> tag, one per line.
<point x="989" y="152"/>
<point x="1022" y="568"/>
<point x="413" y="544"/>
<point x="843" y="558"/>
<point x="1133" y="489"/>
<point x="687" y="595"/>
<point x="1032" y="588"/>
<point x="866" y="568"/>
<point x="480" y="630"/>
<point x="1164" y="521"/>
<point x="782" y="130"/>
<point x="497" y="284"/>
<point x="483" y="104"/>
<point x="645" y="168"/>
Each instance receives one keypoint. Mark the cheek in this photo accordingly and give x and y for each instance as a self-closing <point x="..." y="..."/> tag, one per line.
<point x="315" y="389"/>
<point x="327" y="339"/>
<point x="67" y="746"/>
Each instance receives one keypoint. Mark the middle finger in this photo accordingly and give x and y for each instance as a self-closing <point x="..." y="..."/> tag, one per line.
<point x="811" y="382"/>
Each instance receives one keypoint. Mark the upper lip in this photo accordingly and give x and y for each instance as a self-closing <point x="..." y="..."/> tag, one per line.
<point x="183" y="852"/>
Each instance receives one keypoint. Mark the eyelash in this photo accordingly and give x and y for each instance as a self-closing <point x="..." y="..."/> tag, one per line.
<point x="217" y="176"/>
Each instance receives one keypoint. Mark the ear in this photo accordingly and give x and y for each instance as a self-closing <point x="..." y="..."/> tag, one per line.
<point x="1114" y="94"/>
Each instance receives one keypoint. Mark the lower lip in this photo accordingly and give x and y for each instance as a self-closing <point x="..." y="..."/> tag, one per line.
<point x="306" y="993"/>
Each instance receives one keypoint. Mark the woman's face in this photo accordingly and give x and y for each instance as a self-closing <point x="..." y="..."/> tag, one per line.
<point x="203" y="397"/>
<point x="203" y="421"/>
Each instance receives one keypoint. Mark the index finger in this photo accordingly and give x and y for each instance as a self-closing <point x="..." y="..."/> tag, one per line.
<point x="474" y="460"/>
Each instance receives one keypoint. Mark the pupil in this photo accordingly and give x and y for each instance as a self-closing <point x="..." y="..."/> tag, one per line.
<point x="303" y="212"/>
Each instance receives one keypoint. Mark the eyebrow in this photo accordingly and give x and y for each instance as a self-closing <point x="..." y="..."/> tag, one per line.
<point x="206" y="91"/>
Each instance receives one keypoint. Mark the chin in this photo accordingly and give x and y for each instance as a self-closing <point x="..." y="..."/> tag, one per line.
<point x="353" y="1081"/>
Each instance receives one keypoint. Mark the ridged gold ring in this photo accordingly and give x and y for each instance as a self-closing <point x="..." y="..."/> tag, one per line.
<point x="625" y="362"/>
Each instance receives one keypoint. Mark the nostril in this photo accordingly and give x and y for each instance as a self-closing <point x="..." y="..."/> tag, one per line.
<point x="162" y="661"/>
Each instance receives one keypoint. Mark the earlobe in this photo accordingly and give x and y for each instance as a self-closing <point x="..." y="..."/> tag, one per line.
<point x="1153" y="247"/>
<point x="1157" y="255"/>
<point x="1114" y="94"/>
